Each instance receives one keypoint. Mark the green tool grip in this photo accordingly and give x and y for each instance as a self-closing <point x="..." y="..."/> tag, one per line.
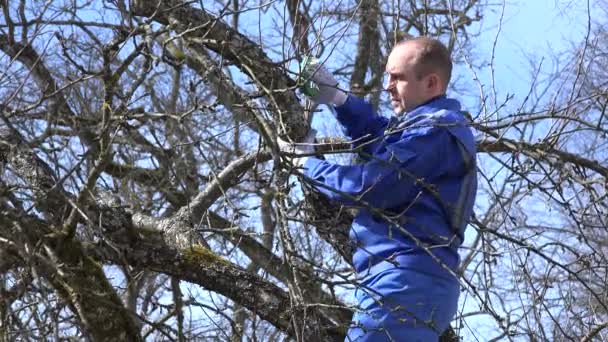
<point x="309" y="88"/>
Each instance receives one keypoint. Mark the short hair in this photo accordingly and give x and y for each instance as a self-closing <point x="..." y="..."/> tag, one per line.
<point x="431" y="56"/>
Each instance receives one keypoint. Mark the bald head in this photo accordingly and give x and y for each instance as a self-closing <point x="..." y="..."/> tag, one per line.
<point x="418" y="70"/>
<point x="429" y="56"/>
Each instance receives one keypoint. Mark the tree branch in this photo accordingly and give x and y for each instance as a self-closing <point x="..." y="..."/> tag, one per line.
<point x="196" y="26"/>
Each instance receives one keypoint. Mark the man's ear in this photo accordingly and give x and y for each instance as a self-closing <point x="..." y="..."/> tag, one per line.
<point x="433" y="82"/>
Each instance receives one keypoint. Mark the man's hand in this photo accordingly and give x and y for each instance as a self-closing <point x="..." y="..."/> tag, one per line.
<point x="326" y="86"/>
<point x="305" y="147"/>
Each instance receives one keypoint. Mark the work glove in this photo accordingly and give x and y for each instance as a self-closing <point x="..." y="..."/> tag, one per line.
<point x="294" y="149"/>
<point x="321" y="86"/>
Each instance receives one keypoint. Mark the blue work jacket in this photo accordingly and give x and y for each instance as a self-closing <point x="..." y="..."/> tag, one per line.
<point x="418" y="170"/>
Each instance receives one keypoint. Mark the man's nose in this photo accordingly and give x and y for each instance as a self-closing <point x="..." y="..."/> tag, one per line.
<point x="389" y="84"/>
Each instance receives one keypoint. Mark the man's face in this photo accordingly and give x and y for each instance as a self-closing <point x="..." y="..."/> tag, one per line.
<point x="406" y="91"/>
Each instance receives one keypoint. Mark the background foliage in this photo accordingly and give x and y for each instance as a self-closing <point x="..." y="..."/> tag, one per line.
<point x="142" y="195"/>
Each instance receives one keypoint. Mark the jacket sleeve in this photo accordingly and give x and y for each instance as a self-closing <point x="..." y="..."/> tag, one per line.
<point x="359" y="120"/>
<point x="391" y="176"/>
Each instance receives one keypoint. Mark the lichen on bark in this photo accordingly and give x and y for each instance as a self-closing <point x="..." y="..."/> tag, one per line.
<point x="200" y="255"/>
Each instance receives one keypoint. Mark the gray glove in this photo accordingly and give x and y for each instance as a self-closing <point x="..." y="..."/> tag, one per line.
<point x="325" y="86"/>
<point x="305" y="147"/>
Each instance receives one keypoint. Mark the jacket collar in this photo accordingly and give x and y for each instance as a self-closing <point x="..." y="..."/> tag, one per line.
<point x="433" y="105"/>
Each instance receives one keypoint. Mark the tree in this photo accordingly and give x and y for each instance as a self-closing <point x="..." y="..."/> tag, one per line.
<point x="143" y="195"/>
<point x="540" y="266"/>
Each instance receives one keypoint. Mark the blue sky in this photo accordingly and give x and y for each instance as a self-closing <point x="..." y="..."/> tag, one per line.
<point x="531" y="31"/>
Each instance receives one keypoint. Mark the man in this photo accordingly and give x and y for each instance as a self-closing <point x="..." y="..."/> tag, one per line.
<point x="415" y="186"/>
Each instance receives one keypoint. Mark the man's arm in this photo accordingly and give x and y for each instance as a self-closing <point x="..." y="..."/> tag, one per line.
<point x="357" y="117"/>
<point x="391" y="177"/>
<point x="360" y="122"/>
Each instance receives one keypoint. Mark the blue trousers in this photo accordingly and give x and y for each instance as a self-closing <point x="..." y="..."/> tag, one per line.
<point x="400" y="304"/>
